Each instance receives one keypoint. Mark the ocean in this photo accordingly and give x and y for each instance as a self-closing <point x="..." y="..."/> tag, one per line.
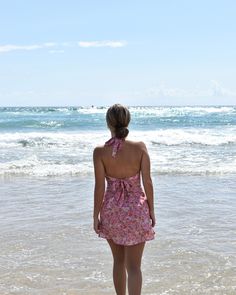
<point x="50" y="141"/>
<point x="47" y="243"/>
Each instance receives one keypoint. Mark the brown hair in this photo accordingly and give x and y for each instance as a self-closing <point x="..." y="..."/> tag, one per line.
<point x="118" y="118"/>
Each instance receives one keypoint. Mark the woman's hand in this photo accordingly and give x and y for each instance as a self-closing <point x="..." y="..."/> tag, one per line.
<point x="153" y="218"/>
<point x="96" y="223"/>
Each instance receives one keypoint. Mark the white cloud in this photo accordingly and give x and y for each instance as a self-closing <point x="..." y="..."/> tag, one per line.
<point x="85" y="44"/>
<point x="113" y="44"/>
<point x="9" y="47"/>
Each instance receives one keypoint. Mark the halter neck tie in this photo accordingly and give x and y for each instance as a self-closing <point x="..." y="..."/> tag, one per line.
<point x="116" y="144"/>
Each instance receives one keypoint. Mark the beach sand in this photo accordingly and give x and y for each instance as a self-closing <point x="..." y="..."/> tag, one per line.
<point x="48" y="245"/>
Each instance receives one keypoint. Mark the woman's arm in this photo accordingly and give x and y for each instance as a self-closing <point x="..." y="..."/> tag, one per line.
<point x="147" y="181"/>
<point x="99" y="188"/>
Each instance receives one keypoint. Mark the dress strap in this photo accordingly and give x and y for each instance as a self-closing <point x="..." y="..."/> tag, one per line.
<point x="116" y="144"/>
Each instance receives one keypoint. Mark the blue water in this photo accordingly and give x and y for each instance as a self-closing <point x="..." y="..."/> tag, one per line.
<point x="143" y="118"/>
<point x="49" y="141"/>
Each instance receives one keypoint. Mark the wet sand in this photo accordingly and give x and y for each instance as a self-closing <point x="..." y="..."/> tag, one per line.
<point x="48" y="245"/>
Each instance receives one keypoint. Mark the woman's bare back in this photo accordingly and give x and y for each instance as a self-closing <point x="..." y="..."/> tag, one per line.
<point x="127" y="161"/>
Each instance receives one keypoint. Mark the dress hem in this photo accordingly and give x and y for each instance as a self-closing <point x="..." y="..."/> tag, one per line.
<point x="117" y="243"/>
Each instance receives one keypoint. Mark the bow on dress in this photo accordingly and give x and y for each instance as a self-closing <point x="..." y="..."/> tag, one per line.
<point x="121" y="188"/>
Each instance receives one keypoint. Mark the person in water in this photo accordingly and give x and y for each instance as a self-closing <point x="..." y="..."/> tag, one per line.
<point x="123" y="213"/>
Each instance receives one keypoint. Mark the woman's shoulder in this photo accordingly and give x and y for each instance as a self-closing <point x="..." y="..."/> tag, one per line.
<point x="98" y="150"/>
<point x="138" y="144"/>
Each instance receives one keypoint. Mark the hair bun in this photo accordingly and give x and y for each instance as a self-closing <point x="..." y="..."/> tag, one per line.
<point x="118" y="118"/>
<point x="121" y="132"/>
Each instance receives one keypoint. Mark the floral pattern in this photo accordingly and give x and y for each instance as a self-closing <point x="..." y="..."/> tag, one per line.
<point x="124" y="216"/>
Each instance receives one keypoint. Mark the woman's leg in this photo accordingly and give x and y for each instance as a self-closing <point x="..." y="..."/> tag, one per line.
<point x="119" y="272"/>
<point x="133" y="256"/>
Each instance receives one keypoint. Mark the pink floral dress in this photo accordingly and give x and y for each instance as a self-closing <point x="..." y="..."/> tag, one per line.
<point x="124" y="216"/>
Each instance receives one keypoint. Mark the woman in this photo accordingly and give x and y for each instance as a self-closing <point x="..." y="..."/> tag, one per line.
<point x="124" y="215"/>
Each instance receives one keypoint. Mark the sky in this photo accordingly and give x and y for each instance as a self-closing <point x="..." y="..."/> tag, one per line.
<point x="150" y="52"/>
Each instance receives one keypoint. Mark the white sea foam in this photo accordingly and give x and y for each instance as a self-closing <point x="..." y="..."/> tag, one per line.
<point x="51" y="138"/>
<point x="172" y="151"/>
<point x="194" y="137"/>
<point x="34" y="166"/>
<point x="51" y="124"/>
<point x="92" y="110"/>
<point x="165" y="163"/>
<point x="79" y="169"/>
<point x="181" y="111"/>
<point x="191" y="136"/>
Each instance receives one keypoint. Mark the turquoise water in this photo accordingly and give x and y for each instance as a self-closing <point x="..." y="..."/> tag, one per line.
<point x="143" y="118"/>
<point x="47" y="141"/>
